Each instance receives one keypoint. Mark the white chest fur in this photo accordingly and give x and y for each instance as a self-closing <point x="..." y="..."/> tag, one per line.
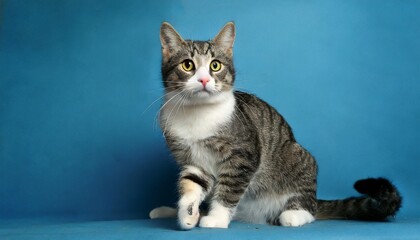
<point x="195" y="122"/>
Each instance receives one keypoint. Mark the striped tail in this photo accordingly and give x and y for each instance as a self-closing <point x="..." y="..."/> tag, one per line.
<point x="381" y="200"/>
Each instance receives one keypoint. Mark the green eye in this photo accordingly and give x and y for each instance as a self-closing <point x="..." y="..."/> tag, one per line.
<point x="215" y="65"/>
<point x="187" y="65"/>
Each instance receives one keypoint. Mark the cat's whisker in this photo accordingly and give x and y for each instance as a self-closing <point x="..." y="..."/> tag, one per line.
<point x="182" y="91"/>
<point x="170" y="113"/>
<point x="170" y="98"/>
<point x="187" y="96"/>
<point x="163" y="88"/>
<point x="183" y="100"/>
<point x="150" y="105"/>
<point x="156" y="120"/>
<point x="157" y="115"/>
<point x="172" y="83"/>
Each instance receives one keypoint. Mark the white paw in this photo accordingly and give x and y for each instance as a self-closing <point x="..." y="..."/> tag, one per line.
<point x="219" y="217"/>
<point x="295" y="218"/>
<point x="213" y="222"/>
<point x="163" y="212"/>
<point x="188" y="215"/>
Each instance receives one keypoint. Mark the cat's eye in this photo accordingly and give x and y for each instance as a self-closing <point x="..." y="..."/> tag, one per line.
<point x="215" y="65"/>
<point x="187" y="65"/>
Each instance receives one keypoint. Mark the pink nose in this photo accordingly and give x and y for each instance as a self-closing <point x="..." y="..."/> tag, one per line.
<point x="204" y="81"/>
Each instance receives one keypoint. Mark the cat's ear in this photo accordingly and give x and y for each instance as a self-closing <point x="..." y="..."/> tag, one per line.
<point x="225" y="38"/>
<point x="170" y="39"/>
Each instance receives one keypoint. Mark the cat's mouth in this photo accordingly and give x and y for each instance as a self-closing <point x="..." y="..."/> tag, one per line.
<point x="203" y="93"/>
<point x="205" y="90"/>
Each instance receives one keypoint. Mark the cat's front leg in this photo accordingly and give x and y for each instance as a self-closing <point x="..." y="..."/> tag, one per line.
<point x="235" y="173"/>
<point x="218" y="217"/>
<point x="194" y="185"/>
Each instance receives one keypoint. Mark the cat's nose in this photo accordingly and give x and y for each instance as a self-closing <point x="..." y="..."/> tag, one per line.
<point x="204" y="81"/>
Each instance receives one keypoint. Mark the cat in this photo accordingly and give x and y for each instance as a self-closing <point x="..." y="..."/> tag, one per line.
<point x="237" y="153"/>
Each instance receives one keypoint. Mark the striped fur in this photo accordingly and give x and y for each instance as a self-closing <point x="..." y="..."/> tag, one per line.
<point x="238" y="153"/>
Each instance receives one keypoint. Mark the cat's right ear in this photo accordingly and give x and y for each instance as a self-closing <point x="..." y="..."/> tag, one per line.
<point x="225" y="38"/>
<point x="170" y="39"/>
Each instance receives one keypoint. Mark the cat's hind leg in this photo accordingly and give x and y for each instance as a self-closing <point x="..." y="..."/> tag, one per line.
<point x="298" y="211"/>
<point x="295" y="218"/>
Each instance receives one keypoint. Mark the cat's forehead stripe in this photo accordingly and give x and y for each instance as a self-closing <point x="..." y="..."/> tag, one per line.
<point x="209" y="47"/>
<point x="201" y="48"/>
<point x="195" y="49"/>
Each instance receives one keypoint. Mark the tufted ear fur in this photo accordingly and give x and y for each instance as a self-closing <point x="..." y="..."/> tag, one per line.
<point x="170" y="40"/>
<point x="225" y="38"/>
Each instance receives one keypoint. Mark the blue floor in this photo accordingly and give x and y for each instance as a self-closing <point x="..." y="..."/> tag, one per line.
<point x="401" y="228"/>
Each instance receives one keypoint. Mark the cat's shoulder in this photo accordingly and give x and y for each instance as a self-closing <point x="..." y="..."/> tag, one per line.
<point x="245" y="97"/>
<point x="248" y="99"/>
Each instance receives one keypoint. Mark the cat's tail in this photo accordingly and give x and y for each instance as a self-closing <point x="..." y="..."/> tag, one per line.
<point x="381" y="200"/>
<point x="163" y="212"/>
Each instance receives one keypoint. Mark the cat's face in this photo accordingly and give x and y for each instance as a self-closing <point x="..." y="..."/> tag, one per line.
<point x="199" y="72"/>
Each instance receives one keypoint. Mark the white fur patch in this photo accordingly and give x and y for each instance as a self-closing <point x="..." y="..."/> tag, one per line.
<point x="295" y="218"/>
<point x="259" y="210"/>
<point x="196" y="122"/>
<point x="204" y="158"/>
<point x="162" y="212"/>
<point x="219" y="217"/>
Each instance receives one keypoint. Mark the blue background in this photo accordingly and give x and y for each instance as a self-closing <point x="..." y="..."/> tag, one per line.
<point x="78" y="81"/>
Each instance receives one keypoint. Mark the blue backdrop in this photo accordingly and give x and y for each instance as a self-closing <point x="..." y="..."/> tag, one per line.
<point x="78" y="133"/>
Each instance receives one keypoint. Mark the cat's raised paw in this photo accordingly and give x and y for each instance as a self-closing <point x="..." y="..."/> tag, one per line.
<point x="187" y="222"/>
<point x="188" y="216"/>
<point x="213" y="222"/>
<point x="295" y="218"/>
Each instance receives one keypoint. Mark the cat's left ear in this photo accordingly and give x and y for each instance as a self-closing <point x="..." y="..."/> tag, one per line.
<point x="170" y="40"/>
<point x="225" y="38"/>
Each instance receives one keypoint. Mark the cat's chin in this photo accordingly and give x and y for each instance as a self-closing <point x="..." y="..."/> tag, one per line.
<point x="205" y="97"/>
<point x="204" y="94"/>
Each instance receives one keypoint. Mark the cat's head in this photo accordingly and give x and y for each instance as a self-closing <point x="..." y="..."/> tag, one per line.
<point x="198" y="71"/>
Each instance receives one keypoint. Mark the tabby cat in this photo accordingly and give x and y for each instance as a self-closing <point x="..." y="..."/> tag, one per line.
<point x="237" y="153"/>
